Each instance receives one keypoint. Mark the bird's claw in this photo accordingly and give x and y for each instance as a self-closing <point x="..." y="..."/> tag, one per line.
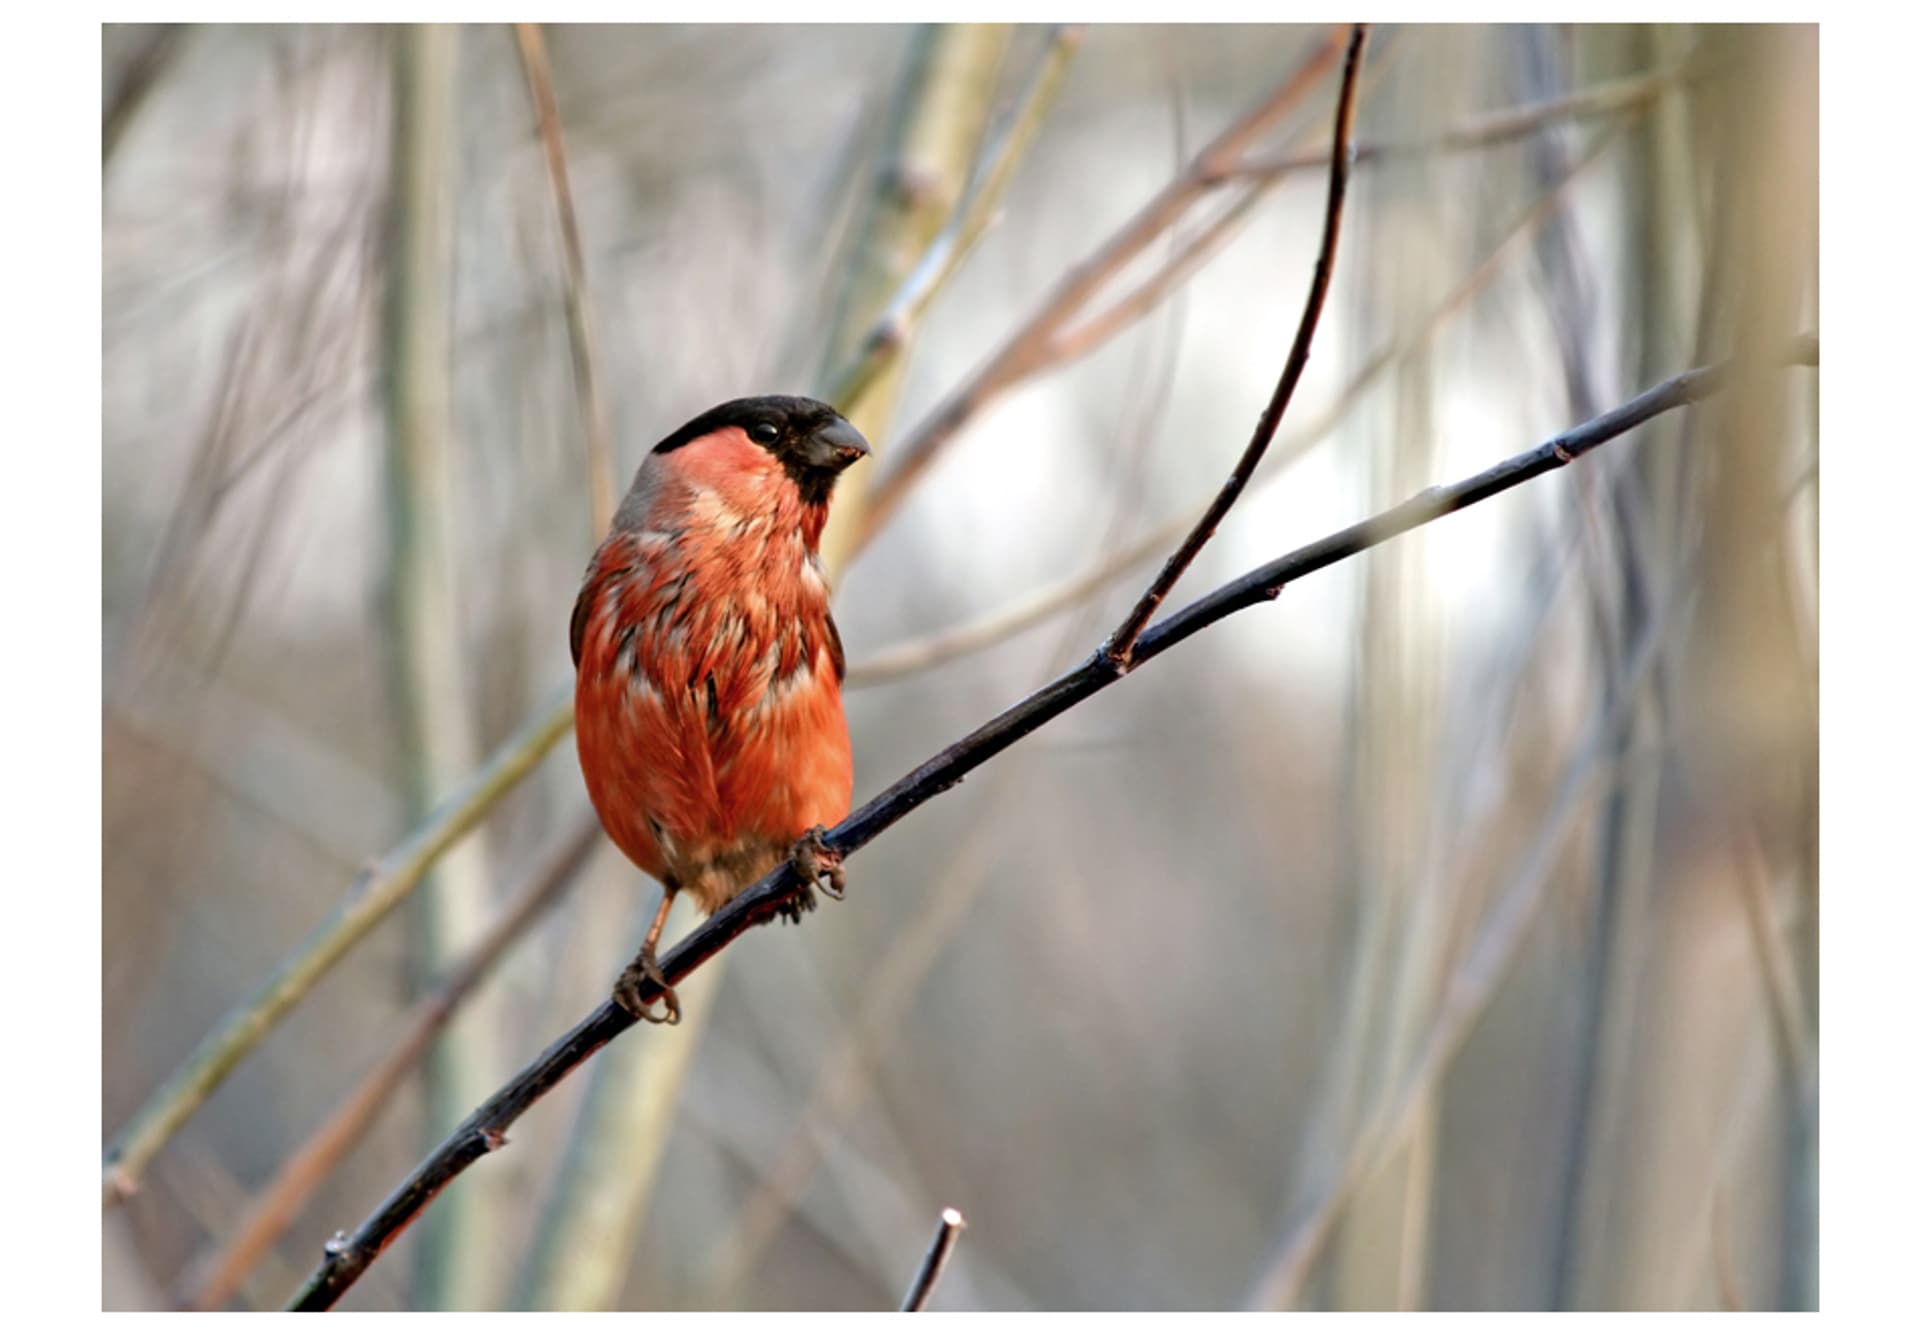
<point x="626" y="992"/>
<point x="820" y="867"/>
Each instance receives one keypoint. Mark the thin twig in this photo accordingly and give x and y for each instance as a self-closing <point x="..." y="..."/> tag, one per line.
<point x="349" y="1256"/>
<point x="1026" y="347"/>
<point x="375" y="892"/>
<point x="1119" y="645"/>
<point x="601" y="486"/>
<point x="1070" y="344"/>
<point x="945" y="1237"/>
<point x="1493" y="127"/>
<point x="275" y="1205"/>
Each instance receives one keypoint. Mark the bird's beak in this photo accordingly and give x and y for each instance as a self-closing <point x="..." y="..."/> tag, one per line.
<point x="836" y="445"/>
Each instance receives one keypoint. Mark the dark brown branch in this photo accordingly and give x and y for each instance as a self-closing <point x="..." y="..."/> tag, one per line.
<point x="348" y="1256"/>
<point x="945" y="1237"/>
<point x="1119" y="646"/>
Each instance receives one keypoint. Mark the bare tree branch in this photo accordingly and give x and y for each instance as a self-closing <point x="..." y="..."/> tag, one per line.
<point x="1119" y="645"/>
<point x="348" y="1256"/>
<point x="601" y="485"/>
<point x="945" y="1238"/>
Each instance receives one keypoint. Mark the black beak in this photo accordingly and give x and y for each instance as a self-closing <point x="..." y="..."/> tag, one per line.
<point x="835" y="446"/>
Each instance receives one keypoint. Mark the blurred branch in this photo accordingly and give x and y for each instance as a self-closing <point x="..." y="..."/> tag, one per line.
<point x="1469" y="989"/>
<point x="374" y="893"/>
<point x="1493" y="127"/>
<point x="1026" y="348"/>
<point x="1119" y="646"/>
<point x="919" y="654"/>
<point x="431" y="685"/>
<point x="939" y="121"/>
<point x="894" y="325"/>
<point x="601" y="486"/>
<point x="1786" y="993"/>
<point x="945" y="1238"/>
<point x="349" y="1256"/>
<point x="1628" y="95"/>
<point x="140" y="73"/>
<point x="274" y="1207"/>
<point x="1070" y="344"/>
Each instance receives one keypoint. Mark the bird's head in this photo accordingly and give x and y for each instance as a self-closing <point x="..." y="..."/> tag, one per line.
<point x="810" y="440"/>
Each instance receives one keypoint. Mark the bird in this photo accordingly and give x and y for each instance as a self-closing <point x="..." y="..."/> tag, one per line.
<point x="708" y="668"/>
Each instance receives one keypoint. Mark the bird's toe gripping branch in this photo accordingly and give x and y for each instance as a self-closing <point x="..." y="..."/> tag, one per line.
<point x="626" y="992"/>
<point x="819" y="867"/>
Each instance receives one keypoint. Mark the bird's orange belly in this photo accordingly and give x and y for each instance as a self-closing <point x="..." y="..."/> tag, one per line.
<point x="710" y="805"/>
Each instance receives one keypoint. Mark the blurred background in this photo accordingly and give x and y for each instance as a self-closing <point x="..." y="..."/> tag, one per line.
<point x="1442" y="935"/>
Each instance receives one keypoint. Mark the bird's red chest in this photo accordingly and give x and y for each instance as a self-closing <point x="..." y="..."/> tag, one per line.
<point x="707" y="702"/>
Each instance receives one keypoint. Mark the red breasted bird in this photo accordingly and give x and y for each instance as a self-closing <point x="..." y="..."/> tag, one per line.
<point x="708" y="668"/>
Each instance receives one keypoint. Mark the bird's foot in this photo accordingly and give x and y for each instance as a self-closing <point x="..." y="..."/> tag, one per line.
<point x="819" y="867"/>
<point x="626" y="992"/>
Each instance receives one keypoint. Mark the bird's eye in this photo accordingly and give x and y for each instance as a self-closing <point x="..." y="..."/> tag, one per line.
<point x="764" y="432"/>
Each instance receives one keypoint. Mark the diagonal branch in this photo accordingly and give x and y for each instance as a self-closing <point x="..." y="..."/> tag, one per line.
<point x="347" y="1257"/>
<point x="1119" y="645"/>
